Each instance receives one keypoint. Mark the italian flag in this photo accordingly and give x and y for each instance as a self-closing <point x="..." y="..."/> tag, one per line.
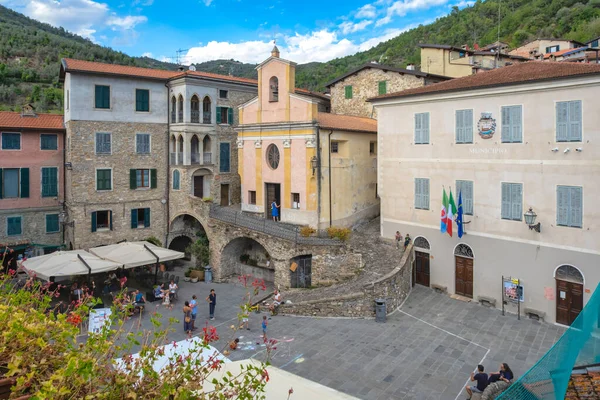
<point x="450" y="211"/>
<point x="444" y="216"/>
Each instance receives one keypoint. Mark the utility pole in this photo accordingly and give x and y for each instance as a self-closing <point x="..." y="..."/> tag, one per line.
<point x="179" y="53"/>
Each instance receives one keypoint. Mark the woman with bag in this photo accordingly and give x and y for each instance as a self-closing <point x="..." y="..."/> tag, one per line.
<point x="187" y="317"/>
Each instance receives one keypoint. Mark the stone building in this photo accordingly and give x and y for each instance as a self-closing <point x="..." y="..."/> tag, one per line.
<point x="519" y="145"/>
<point x="320" y="168"/>
<point x="538" y="48"/>
<point x="31" y="180"/>
<point x="349" y="92"/>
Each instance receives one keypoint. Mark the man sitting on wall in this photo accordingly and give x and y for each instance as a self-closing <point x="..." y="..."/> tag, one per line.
<point x="276" y="302"/>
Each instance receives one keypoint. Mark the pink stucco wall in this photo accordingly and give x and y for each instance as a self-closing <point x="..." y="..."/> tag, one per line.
<point x="299" y="109"/>
<point x="249" y="113"/>
<point x="30" y="156"/>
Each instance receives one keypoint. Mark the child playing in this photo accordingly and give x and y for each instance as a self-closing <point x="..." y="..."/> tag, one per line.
<point x="264" y="326"/>
<point x="234" y="344"/>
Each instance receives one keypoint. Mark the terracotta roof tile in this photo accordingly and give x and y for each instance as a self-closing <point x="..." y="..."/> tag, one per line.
<point x="217" y="76"/>
<point x="309" y="93"/>
<point x="558" y="53"/>
<point x="71" y="65"/>
<point x="40" y="121"/>
<point x="521" y="73"/>
<point x="346" y="123"/>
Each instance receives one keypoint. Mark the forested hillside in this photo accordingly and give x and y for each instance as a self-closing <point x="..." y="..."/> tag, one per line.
<point x="30" y="51"/>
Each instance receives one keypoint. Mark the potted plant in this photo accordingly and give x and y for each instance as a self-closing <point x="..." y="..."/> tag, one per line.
<point x="186" y="275"/>
<point x="194" y="279"/>
<point x="201" y="251"/>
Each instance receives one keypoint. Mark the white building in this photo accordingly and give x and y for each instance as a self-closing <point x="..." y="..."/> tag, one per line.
<point x="542" y="153"/>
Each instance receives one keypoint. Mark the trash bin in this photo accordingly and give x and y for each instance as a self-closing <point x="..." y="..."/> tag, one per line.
<point x="207" y="274"/>
<point x="380" y="310"/>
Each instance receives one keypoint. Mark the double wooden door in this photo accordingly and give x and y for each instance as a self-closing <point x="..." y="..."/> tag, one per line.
<point x="272" y="192"/>
<point x="569" y="301"/>
<point x="464" y="276"/>
<point x="421" y="272"/>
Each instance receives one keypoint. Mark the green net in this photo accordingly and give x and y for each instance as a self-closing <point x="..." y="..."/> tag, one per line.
<point x="578" y="346"/>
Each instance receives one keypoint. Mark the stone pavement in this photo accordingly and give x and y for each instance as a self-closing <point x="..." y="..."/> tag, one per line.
<point x="426" y="350"/>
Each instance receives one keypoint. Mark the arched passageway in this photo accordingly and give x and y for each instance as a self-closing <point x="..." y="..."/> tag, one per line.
<point x="245" y="256"/>
<point x="181" y="243"/>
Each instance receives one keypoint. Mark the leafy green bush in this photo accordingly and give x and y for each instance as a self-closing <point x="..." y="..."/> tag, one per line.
<point x="154" y="240"/>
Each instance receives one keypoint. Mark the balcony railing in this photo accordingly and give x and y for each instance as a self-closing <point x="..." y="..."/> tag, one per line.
<point x="195" y="117"/>
<point x="180" y="116"/>
<point x="173" y="120"/>
<point x="180" y="158"/>
<point x="206" y="117"/>
<point x="195" y="158"/>
<point x="207" y="158"/>
<point x="172" y="159"/>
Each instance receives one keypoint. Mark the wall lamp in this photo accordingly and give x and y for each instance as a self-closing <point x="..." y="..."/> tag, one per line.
<point x="530" y="217"/>
<point x="314" y="163"/>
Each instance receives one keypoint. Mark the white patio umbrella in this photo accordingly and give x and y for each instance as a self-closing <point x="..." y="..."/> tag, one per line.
<point x="68" y="263"/>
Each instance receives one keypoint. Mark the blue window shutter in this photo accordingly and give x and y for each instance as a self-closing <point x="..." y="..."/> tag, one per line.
<point x="147" y="217"/>
<point x="230" y="116"/>
<point x="24" y="182"/>
<point x="111" y="222"/>
<point x="562" y="121"/>
<point x="506" y="201"/>
<point x="506" y="127"/>
<point x="517" y="201"/>
<point x="218" y="115"/>
<point x="153" y="183"/>
<point x="224" y="162"/>
<point x="468" y="197"/>
<point x="469" y="126"/>
<point x="517" y="124"/>
<point x="418" y="128"/>
<point x="459" y="126"/>
<point x="132" y="179"/>
<point x="574" y="130"/>
<point x="176" y="180"/>
<point x="1" y="186"/>
<point x="425" y="133"/>
<point x="576" y="209"/>
<point x="94" y="221"/>
<point x="134" y="218"/>
<point x="425" y="195"/>
<point x="417" y="193"/>
<point x="52" y="223"/>
<point x="562" y="205"/>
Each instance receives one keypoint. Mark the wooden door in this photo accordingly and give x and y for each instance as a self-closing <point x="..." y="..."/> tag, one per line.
<point x="569" y="301"/>
<point x="199" y="186"/>
<point x="272" y="192"/>
<point x="224" y="195"/>
<point x="422" y="268"/>
<point x="464" y="276"/>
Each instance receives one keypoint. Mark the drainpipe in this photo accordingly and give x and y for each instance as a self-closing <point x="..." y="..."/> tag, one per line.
<point x="319" y="175"/>
<point x="64" y="187"/>
<point x="168" y="169"/>
<point x="330" y="208"/>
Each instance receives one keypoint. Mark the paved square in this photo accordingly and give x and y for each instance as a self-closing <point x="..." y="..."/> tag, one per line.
<point x="426" y="350"/>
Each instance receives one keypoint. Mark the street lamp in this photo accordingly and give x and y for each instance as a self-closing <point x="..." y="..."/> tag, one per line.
<point x="314" y="163"/>
<point x="530" y="217"/>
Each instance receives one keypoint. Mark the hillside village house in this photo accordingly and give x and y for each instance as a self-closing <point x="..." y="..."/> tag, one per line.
<point x="538" y="48"/>
<point x="349" y="92"/>
<point x="456" y="62"/>
<point x="515" y="141"/>
<point x="138" y="138"/>
<point x="31" y="180"/>
<point x="318" y="166"/>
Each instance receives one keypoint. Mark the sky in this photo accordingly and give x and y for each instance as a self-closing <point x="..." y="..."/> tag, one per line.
<point x="244" y="30"/>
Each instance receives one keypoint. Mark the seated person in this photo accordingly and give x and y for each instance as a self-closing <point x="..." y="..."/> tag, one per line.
<point x="172" y="289"/>
<point x="233" y="345"/>
<point x="505" y="374"/>
<point x="158" y="292"/>
<point x="140" y="301"/>
<point x="482" y="381"/>
<point x="276" y="301"/>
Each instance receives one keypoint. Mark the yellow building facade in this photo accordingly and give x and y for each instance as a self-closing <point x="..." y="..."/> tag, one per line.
<point x="319" y="168"/>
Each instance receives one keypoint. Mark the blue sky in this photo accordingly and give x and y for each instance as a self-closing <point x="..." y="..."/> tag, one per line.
<point x="239" y="29"/>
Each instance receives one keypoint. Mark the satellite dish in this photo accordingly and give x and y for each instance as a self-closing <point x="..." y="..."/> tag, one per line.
<point x="192" y="68"/>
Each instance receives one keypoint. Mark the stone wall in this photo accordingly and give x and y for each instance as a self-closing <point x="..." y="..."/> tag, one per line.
<point x="394" y="288"/>
<point x="365" y="84"/>
<point x="33" y="224"/>
<point x="82" y="198"/>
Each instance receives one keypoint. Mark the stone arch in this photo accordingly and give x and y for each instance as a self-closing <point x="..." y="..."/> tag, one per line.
<point x="195" y="109"/>
<point x="188" y="226"/>
<point x="570" y="273"/>
<point x="173" y="144"/>
<point x="246" y="256"/>
<point x="463" y="250"/>
<point x="274" y="89"/>
<point x="422" y="244"/>
<point x="206" y="144"/>
<point x="181" y="243"/>
<point x="201" y="182"/>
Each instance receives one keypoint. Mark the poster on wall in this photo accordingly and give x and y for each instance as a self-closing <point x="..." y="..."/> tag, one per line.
<point x="98" y="318"/>
<point x="513" y="291"/>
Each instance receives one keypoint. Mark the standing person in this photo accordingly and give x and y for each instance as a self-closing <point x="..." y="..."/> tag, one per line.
<point x="275" y="210"/>
<point x="212" y="302"/>
<point x="264" y="326"/>
<point x="482" y="381"/>
<point x="194" y="306"/>
<point x="398" y="239"/>
<point x="246" y="315"/>
<point x="187" y="317"/>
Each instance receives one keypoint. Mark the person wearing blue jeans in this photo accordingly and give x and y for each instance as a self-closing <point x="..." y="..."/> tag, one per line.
<point x="194" y="306"/>
<point x="212" y="302"/>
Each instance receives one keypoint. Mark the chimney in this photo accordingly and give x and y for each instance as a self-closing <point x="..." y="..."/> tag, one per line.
<point x="28" y="111"/>
<point x="275" y="52"/>
<point x="181" y="68"/>
<point x="410" y="67"/>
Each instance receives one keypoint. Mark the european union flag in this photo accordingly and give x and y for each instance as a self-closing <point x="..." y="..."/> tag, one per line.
<point x="459" y="215"/>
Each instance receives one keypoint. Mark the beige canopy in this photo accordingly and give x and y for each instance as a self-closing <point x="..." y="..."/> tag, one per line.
<point x="68" y="263"/>
<point x="136" y="254"/>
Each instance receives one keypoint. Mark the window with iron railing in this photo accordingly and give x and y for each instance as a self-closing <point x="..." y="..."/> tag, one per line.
<point x="195" y="117"/>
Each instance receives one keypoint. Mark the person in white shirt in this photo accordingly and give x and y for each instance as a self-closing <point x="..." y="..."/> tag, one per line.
<point x="172" y="289"/>
<point x="276" y="301"/>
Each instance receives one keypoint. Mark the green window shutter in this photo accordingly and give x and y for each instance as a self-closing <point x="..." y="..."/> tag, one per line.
<point x="110" y="220"/>
<point x="382" y="87"/>
<point x="24" y="182"/>
<point x="176" y="180"/>
<point x="218" y="115"/>
<point x="142" y="100"/>
<point x="52" y="225"/>
<point x="1" y="186"/>
<point x="134" y="218"/>
<point x="506" y="201"/>
<point x="132" y="179"/>
<point x="147" y="217"/>
<point x="153" y="184"/>
<point x="48" y="142"/>
<point x="348" y="91"/>
<point x="102" y="96"/>
<point x="49" y="182"/>
<point x="230" y="116"/>
<point x="562" y="121"/>
<point x="574" y="130"/>
<point x="576" y="209"/>
<point x="224" y="157"/>
<point x="94" y="222"/>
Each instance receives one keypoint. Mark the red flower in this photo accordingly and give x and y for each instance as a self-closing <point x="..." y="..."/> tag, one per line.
<point x="291" y="391"/>
<point x="265" y="375"/>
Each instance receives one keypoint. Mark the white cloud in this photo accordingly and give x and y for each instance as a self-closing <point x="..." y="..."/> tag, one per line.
<point x="83" y="17"/>
<point x="207" y="2"/>
<point x="462" y="4"/>
<point x="147" y="54"/>
<point x="402" y="7"/>
<point x="351" y="27"/>
<point x="366" y="11"/>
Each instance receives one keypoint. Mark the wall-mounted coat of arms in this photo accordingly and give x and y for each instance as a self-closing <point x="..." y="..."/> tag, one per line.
<point x="486" y="126"/>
